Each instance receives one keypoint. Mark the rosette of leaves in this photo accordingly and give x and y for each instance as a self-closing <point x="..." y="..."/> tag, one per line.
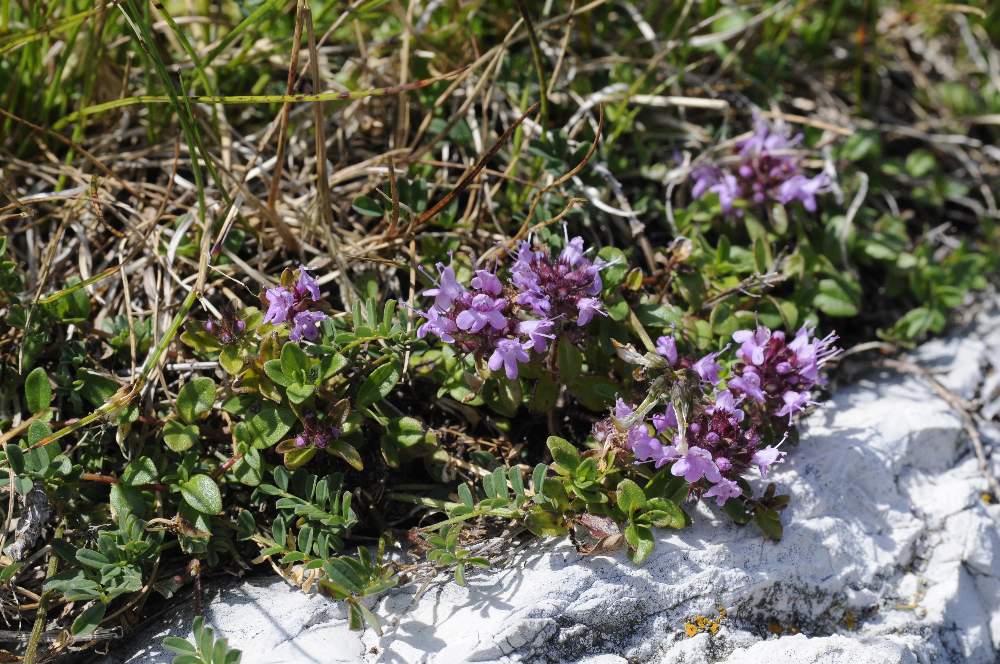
<point x="445" y="552"/>
<point x="351" y="579"/>
<point x="314" y="516"/>
<point x="206" y="649"/>
<point x="116" y="566"/>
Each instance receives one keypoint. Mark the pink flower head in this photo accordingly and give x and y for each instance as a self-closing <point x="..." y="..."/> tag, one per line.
<point x="508" y="353"/>
<point x="522" y="274"/>
<point x="728" y="190"/>
<point x="448" y="289"/>
<point x="622" y="410"/>
<point x="307" y="285"/>
<point x="749" y="384"/>
<point x="665" y="454"/>
<point x="539" y="333"/>
<point x="752" y="344"/>
<point x="795" y="402"/>
<point x="643" y="445"/>
<point x="306" y="325"/>
<point x="811" y="354"/>
<point x="767" y="457"/>
<point x="666" y="420"/>
<point x="708" y="369"/>
<point x="573" y="252"/>
<point x="437" y="324"/>
<point x="588" y="306"/>
<point x="484" y="311"/>
<point x="487" y="282"/>
<point x="667" y="347"/>
<point x="279" y="302"/>
<point x="803" y="189"/>
<point x="694" y="465"/>
<point x="723" y="490"/>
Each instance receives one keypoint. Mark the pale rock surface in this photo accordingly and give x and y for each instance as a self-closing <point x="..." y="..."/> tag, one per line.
<point x="890" y="556"/>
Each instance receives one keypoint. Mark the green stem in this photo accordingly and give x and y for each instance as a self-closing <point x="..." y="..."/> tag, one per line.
<point x="536" y="57"/>
<point x="124" y="396"/>
<point x="433" y="503"/>
<point x="248" y="99"/>
<point x="640" y="331"/>
<point x="31" y="653"/>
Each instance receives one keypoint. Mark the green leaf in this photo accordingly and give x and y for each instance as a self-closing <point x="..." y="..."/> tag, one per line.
<point x="566" y="457"/>
<point x="72" y="307"/>
<point x="202" y="494"/>
<point x="640" y="542"/>
<point x="293" y="360"/>
<point x="618" y="308"/>
<point x="919" y="163"/>
<point x="918" y="322"/>
<point x="195" y="398"/>
<point x="630" y="497"/>
<point x="617" y="267"/>
<point x="768" y="521"/>
<point x="545" y="394"/>
<point x="594" y="392"/>
<point x="367" y="206"/>
<point x="379" y="384"/>
<point x="15" y="457"/>
<point x="298" y="392"/>
<point x="125" y="500"/>
<point x="245" y="525"/>
<point x="543" y="523"/>
<point x="91" y="558"/>
<point x="179" y="646"/>
<point x="140" y="471"/>
<point x="503" y="395"/>
<point x="267" y="427"/>
<point x="538" y="481"/>
<point x="180" y="437"/>
<point x="96" y="388"/>
<point x="37" y="391"/>
<point x="331" y="365"/>
<point x="273" y="370"/>
<point x="834" y="300"/>
<point x="231" y="360"/>
<point x="737" y="511"/>
<point x="346" y="452"/>
<point x="89" y="620"/>
<point x="664" y="513"/>
<point x="38" y="430"/>
<point x="570" y="360"/>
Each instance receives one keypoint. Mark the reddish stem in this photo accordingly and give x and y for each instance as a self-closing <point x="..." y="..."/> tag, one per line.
<point x="108" y="479"/>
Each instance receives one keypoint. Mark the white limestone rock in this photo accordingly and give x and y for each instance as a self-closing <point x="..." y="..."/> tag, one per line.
<point x="890" y="555"/>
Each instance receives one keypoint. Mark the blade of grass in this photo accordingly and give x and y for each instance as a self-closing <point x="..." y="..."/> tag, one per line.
<point x="231" y="36"/>
<point x="286" y="108"/>
<point x="253" y="99"/>
<point x="15" y="42"/>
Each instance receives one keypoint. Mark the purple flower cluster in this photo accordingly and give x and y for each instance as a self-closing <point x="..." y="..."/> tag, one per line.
<point x="504" y="321"/>
<point x="776" y="374"/>
<point x="566" y="287"/>
<point x="295" y="304"/>
<point x="767" y="169"/>
<point x="316" y="434"/>
<point x="228" y="329"/>
<point x="723" y="438"/>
